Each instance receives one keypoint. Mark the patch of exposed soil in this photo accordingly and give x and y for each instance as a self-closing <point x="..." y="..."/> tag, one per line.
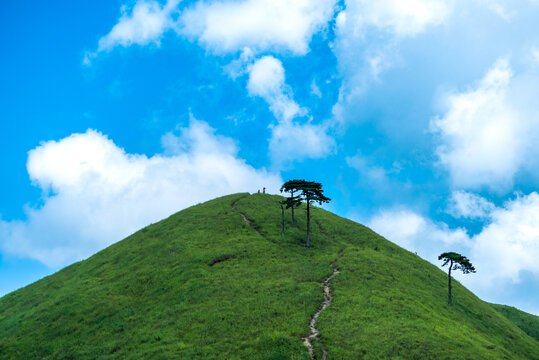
<point x="220" y="259"/>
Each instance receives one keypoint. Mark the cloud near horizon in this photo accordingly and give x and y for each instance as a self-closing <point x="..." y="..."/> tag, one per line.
<point x="503" y="251"/>
<point x="94" y="193"/>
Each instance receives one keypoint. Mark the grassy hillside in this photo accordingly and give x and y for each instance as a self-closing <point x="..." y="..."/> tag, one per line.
<point x="527" y="322"/>
<point x="204" y="284"/>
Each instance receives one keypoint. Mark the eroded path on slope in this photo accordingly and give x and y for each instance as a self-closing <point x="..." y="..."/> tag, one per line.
<point x="247" y="221"/>
<point x="313" y="331"/>
<point x="328" y="297"/>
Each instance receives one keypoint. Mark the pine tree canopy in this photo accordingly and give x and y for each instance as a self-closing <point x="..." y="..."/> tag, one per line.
<point x="292" y="201"/>
<point x="292" y="185"/>
<point x="312" y="191"/>
<point x="458" y="261"/>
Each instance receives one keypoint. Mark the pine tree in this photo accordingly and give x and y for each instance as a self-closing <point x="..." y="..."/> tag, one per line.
<point x="456" y="262"/>
<point x="293" y="201"/>
<point x="311" y="192"/>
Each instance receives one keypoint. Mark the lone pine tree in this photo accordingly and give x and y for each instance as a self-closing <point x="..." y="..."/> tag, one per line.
<point x="456" y="261"/>
<point x="311" y="192"/>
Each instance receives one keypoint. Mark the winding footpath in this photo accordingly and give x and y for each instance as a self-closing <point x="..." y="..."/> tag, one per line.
<point x="313" y="331"/>
<point x="247" y="221"/>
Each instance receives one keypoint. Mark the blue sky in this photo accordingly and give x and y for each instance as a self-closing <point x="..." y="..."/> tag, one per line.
<point x="420" y="117"/>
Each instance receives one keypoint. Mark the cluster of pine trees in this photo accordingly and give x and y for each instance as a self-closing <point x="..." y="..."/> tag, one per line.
<point x="311" y="192"/>
<point x="300" y="191"/>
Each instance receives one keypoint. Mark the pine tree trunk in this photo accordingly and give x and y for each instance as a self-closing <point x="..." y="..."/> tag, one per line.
<point x="308" y="244"/>
<point x="292" y="209"/>
<point x="282" y="219"/>
<point x="449" y="284"/>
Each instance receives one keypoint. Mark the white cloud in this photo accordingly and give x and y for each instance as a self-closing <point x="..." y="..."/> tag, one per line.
<point x="145" y="23"/>
<point x="509" y="244"/>
<point x="367" y="40"/>
<point x="290" y="140"/>
<point x="267" y="80"/>
<point x="400" y="17"/>
<point x="505" y="248"/>
<point x="416" y="233"/>
<point x="250" y="26"/>
<point x="95" y="193"/>
<point x="228" y="26"/>
<point x="463" y="204"/>
<point x="241" y="65"/>
<point x="315" y="90"/>
<point x="222" y="26"/>
<point x="488" y="132"/>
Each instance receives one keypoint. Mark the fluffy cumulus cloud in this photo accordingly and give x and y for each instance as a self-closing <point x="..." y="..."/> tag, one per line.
<point x="229" y="26"/>
<point x="223" y="26"/>
<point x="504" y="252"/>
<point x="144" y="23"/>
<point x="95" y="193"/>
<point x="488" y="131"/>
<point x="463" y="204"/>
<point x="416" y="233"/>
<point x="247" y="27"/>
<point x="267" y="80"/>
<point x="290" y="140"/>
<point x="509" y="243"/>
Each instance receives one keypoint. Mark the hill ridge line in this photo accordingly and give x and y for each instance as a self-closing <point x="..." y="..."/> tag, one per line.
<point x="155" y="292"/>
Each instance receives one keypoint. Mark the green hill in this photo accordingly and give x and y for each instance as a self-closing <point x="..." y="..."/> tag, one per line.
<point x="218" y="281"/>
<point x="527" y="322"/>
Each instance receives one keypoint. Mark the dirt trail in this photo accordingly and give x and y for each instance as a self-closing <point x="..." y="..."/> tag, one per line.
<point x="247" y="221"/>
<point x="313" y="331"/>
<point x="235" y="203"/>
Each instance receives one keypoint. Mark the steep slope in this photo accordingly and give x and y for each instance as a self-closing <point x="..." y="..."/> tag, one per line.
<point x="527" y="322"/>
<point x="218" y="281"/>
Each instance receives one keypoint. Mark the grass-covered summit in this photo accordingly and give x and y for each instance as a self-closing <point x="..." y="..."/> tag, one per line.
<point x="218" y="281"/>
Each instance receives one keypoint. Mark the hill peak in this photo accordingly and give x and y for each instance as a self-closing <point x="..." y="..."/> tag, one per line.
<point x="218" y="280"/>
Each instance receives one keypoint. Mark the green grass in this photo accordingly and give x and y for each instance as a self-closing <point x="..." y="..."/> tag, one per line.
<point x="155" y="295"/>
<point x="527" y="322"/>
